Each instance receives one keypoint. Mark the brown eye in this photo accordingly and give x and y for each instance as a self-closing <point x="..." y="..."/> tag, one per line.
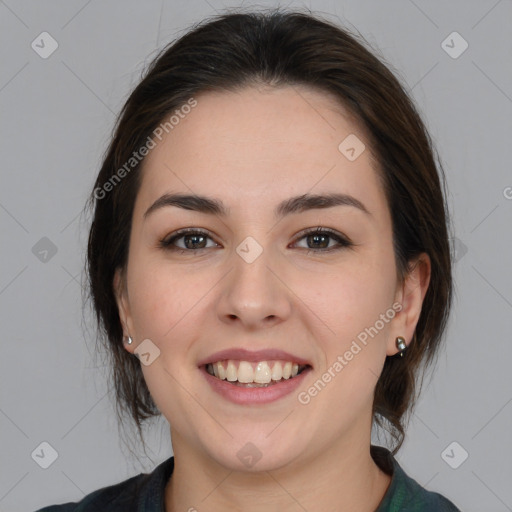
<point x="320" y="239"/>
<point x="192" y="240"/>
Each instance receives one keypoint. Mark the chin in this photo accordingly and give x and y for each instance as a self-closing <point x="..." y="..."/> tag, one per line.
<point x="256" y="453"/>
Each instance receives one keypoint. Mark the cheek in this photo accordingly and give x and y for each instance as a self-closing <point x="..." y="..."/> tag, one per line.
<point x="162" y="297"/>
<point x="353" y="343"/>
<point x="349" y="298"/>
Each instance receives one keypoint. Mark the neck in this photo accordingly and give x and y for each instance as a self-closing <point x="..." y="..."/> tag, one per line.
<point x="342" y="478"/>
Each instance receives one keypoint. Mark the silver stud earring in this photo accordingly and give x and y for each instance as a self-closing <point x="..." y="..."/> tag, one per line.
<point x="401" y="345"/>
<point x="129" y="341"/>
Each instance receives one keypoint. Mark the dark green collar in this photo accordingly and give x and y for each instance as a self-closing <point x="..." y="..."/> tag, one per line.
<point x="403" y="495"/>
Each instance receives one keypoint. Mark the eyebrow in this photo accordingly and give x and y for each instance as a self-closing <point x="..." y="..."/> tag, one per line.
<point x="289" y="206"/>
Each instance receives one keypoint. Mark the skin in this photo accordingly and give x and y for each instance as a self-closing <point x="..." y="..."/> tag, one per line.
<point x="252" y="149"/>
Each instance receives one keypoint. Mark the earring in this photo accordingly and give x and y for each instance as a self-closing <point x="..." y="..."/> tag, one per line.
<point x="401" y="345"/>
<point x="129" y="341"/>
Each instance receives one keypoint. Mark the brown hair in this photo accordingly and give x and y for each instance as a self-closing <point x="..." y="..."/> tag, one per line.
<point x="280" y="48"/>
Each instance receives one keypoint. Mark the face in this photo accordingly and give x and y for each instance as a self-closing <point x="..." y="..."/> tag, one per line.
<point x="251" y="287"/>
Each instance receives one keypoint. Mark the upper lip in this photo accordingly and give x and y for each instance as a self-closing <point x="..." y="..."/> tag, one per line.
<point x="241" y="354"/>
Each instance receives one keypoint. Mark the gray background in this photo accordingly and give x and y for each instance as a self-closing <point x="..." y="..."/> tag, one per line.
<point x="56" y="117"/>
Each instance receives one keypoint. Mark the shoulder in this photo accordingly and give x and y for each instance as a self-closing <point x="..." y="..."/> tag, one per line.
<point x="126" y="496"/>
<point x="404" y="493"/>
<point x="411" y="496"/>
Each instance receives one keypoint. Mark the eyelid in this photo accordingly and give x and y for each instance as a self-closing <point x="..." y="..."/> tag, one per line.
<point x="166" y="242"/>
<point x="342" y="240"/>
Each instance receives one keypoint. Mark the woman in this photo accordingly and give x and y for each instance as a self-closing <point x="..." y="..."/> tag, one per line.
<point x="269" y="263"/>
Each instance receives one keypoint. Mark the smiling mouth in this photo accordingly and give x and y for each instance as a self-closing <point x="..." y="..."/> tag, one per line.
<point x="255" y="374"/>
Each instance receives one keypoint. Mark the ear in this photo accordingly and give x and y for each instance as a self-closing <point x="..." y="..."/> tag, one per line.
<point x="410" y="295"/>
<point x="123" y="306"/>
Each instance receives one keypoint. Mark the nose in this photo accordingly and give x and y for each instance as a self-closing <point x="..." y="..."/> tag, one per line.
<point x="254" y="294"/>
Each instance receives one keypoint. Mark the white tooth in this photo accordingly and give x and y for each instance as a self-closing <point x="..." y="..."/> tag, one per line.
<point x="277" y="371"/>
<point x="262" y="373"/>
<point x="222" y="372"/>
<point x="245" y="372"/>
<point x="231" y="373"/>
<point x="295" y="369"/>
<point x="287" y="370"/>
<point x="215" y="369"/>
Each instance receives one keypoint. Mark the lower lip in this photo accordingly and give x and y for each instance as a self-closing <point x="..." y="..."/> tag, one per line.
<point x="246" y="396"/>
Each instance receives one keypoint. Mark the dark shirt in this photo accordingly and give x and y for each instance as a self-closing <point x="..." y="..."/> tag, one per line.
<point x="145" y="492"/>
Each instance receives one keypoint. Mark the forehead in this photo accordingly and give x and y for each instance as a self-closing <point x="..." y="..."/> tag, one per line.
<point x="261" y="145"/>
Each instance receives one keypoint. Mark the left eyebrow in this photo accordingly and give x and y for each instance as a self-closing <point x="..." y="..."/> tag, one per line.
<point x="289" y="206"/>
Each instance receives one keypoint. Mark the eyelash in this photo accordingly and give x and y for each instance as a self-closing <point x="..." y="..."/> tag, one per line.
<point x="167" y="242"/>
